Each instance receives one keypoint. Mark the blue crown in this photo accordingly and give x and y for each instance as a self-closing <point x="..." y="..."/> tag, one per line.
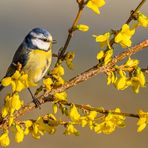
<point x="41" y="31"/>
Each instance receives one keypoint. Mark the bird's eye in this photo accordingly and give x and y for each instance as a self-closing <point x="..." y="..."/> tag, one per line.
<point x="45" y="40"/>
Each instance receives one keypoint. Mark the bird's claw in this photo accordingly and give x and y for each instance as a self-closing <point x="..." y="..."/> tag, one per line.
<point x="37" y="103"/>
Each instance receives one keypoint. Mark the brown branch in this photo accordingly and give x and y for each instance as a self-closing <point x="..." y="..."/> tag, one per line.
<point x="48" y="96"/>
<point x="102" y="111"/>
<point x="95" y="70"/>
<point x="70" y="33"/>
<point x="135" y="11"/>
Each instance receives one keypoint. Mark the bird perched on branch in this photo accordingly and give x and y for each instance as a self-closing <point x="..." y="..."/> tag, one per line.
<point x="34" y="54"/>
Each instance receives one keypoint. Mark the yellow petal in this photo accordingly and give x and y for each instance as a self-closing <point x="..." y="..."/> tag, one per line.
<point x="6" y="81"/>
<point x="74" y="114"/>
<point x="100" y="54"/>
<point x="141" y="127"/>
<point x="19" y="136"/>
<point x="121" y="83"/>
<point x="82" y="27"/>
<point x="16" y="75"/>
<point x="4" y="139"/>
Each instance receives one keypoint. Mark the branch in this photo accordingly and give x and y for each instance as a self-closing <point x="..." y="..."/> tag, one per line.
<point x="70" y="33"/>
<point x="102" y="111"/>
<point x="95" y="70"/>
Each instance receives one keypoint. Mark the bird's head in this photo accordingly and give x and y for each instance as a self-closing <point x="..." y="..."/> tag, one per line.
<point x="39" y="38"/>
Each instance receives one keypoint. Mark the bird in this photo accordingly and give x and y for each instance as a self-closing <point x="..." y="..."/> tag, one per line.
<point x="35" y="56"/>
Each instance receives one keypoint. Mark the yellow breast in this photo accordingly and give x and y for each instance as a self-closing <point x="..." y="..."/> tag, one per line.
<point x="37" y="65"/>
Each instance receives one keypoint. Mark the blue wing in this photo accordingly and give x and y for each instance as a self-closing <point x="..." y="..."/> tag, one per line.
<point x="21" y="56"/>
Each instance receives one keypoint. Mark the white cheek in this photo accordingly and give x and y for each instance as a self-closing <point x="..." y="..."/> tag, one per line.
<point x="40" y="44"/>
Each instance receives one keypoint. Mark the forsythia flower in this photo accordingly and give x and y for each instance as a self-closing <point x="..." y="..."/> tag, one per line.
<point x="82" y="27"/>
<point x="103" y="39"/>
<point x="132" y="63"/>
<point x="19" y="134"/>
<point x="143" y="120"/>
<point x="70" y="129"/>
<point x="92" y="115"/>
<point x="95" y="5"/>
<point x="58" y="70"/>
<point x="12" y="103"/>
<point x="108" y="56"/>
<point x="4" y="139"/>
<point x="121" y="83"/>
<point x="74" y="114"/>
<point x="57" y="74"/>
<point x="100" y="54"/>
<point x="110" y="123"/>
<point x="55" y="108"/>
<point x="61" y="96"/>
<point x="142" y="20"/>
<point x="124" y="36"/>
<point x="39" y="128"/>
<point x="28" y="124"/>
<point x="69" y="59"/>
<point x="138" y="80"/>
<point x="111" y="78"/>
<point x="18" y="81"/>
<point x="48" y="82"/>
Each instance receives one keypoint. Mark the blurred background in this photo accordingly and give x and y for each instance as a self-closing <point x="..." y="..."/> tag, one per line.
<point x="17" y="18"/>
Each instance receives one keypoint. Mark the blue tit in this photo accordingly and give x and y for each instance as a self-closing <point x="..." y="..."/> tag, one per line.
<point x="34" y="54"/>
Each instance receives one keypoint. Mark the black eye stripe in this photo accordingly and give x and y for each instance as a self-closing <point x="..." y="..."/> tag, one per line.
<point x="45" y="40"/>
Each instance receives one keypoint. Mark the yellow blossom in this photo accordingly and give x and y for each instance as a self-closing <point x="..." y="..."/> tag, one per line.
<point x="108" y="56"/>
<point x="16" y="103"/>
<point x="61" y="96"/>
<point x="48" y="82"/>
<point x="18" y="81"/>
<point x="4" y="139"/>
<point x="70" y="129"/>
<point x="121" y="83"/>
<point x="83" y="122"/>
<point x="138" y="81"/>
<point x="132" y="63"/>
<point x="59" y="80"/>
<point x="103" y="39"/>
<point x="11" y="120"/>
<point x="111" y="78"/>
<point x="69" y="59"/>
<point x="100" y="54"/>
<point x="110" y="123"/>
<point x="142" y="20"/>
<point x="58" y="70"/>
<point x="28" y="124"/>
<point x="95" y="5"/>
<point x="6" y="81"/>
<point x="82" y="27"/>
<point x="19" y="136"/>
<point x="124" y="36"/>
<point x="12" y="103"/>
<point x="143" y="120"/>
<point x="74" y="114"/>
<point x="92" y="115"/>
<point x="55" y="108"/>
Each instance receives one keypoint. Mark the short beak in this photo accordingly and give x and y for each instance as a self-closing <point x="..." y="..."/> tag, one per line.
<point x="54" y="42"/>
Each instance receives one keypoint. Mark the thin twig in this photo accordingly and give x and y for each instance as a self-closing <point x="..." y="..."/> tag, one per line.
<point x="70" y="33"/>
